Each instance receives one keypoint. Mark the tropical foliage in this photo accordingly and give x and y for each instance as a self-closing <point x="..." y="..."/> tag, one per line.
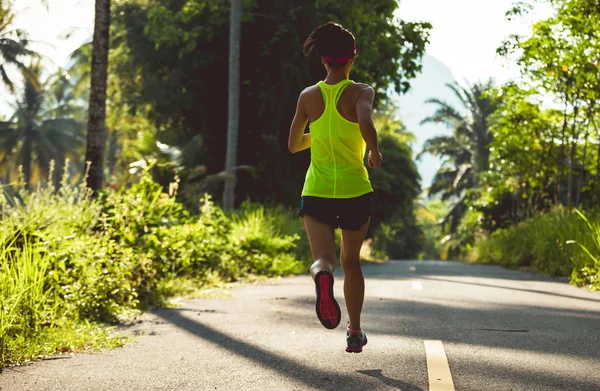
<point x="125" y="250"/>
<point x="466" y="152"/>
<point x="13" y="45"/>
<point x="542" y="157"/>
<point x="149" y="90"/>
<point x="162" y="48"/>
<point x="45" y="127"/>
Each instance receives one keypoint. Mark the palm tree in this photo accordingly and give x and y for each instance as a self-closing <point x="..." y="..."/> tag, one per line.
<point x="13" y="46"/>
<point x="234" y="102"/>
<point x="467" y="150"/>
<point x="97" y="106"/>
<point x="79" y="68"/>
<point x="42" y="128"/>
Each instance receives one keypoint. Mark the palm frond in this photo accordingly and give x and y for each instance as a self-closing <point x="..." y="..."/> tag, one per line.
<point x="6" y="80"/>
<point x="44" y="148"/>
<point x="445" y="113"/>
<point x="462" y="94"/>
<point x="463" y="175"/>
<point x="454" y="215"/>
<point x="445" y="146"/>
<point x="8" y="143"/>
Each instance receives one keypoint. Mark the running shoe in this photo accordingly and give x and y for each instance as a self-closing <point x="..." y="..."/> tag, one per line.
<point x="327" y="308"/>
<point x="355" y="340"/>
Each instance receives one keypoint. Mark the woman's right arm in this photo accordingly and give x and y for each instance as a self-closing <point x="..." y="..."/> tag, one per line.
<point x="298" y="140"/>
<point x="364" y="112"/>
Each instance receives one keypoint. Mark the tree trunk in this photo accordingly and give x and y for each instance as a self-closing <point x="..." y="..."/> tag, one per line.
<point x="97" y="108"/>
<point x="574" y="138"/>
<point x="597" y="181"/>
<point x="27" y="148"/>
<point x="562" y="155"/>
<point x="582" y="172"/>
<point x="234" y="102"/>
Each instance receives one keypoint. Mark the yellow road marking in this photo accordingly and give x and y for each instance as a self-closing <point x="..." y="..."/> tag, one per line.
<point x="438" y="370"/>
<point x="417" y="285"/>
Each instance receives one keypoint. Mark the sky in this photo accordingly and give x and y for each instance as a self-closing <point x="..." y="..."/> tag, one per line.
<point x="47" y="28"/>
<point x="465" y="33"/>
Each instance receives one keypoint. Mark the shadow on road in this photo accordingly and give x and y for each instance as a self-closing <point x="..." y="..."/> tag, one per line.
<point x="400" y="385"/>
<point x="511" y="288"/>
<point x="533" y="341"/>
<point x="313" y="377"/>
<point x="534" y="328"/>
<point x="393" y="270"/>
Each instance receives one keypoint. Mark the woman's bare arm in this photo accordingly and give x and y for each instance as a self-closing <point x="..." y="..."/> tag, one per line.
<point x="298" y="140"/>
<point x="364" y="112"/>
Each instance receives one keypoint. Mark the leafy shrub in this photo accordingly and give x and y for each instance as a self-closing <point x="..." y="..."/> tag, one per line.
<point x="559" y="243"/>
<point x="587" y="260"/>
<point x="255" y="231"/>
<point x="67" y="259"/>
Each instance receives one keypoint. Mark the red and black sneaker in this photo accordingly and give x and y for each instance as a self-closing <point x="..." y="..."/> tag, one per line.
<point x="327" y="308"/>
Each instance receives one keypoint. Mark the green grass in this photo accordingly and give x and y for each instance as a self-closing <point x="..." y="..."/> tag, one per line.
<point x="32" y="323"/>
<point x="563" y="242"/>
<point x="70" y="265"/>
<point x="59" y="339"/>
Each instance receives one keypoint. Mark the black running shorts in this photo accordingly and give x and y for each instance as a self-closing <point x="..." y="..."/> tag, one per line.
<point x="345" y="213"/>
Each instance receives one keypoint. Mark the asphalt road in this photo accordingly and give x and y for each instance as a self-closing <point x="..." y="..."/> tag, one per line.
<point x="497" y="330"/>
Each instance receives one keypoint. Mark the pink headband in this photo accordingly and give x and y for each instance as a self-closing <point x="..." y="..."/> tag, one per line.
<point x="342" y="59"/>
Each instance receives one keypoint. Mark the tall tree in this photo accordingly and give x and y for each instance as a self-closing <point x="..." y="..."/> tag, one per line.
<point x="44" y="127"/>
<point x="467" y="150"/>
<point x="396" y="184"/>
<point x="560" y="59"/>
<point x="173" y="60"/>
<point x="13" y="45"/>
<point x="233" y="115"/>
<point x="97" y="107"/>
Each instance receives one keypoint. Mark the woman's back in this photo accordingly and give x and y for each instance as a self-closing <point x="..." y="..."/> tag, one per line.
<point x="346" y="106"/>
<point x="337" y="167"/>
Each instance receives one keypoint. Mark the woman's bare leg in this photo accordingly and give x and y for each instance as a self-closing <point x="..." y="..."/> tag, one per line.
<point x="354" y="281"/>
<point x="322" y="245"/>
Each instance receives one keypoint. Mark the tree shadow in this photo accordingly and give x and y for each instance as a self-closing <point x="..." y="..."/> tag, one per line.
<point x="511" y="288"/>
<point x="524" y="328"/>
<point x="400" y="385"/>
<point x="310" y="376"/>
<point x="393" y="270"/>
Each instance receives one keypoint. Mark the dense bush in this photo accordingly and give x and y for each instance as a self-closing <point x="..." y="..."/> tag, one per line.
<point x="560" y="243"/>
<point x="67" y="259"/>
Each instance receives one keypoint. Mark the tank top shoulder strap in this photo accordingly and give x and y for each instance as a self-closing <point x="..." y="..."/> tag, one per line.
<point x="333" y="92"/>
<point x="341" y="89"/>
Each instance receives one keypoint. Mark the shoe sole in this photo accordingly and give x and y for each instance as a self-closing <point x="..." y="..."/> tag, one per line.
<point x="357" y="350"/>
<point x="328" y="310"/>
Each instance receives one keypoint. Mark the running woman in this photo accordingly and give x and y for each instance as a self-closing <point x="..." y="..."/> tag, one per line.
<point x="337" y="191"/>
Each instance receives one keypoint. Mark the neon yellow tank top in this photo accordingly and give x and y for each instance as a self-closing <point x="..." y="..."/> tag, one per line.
<point x="337" y="152"/>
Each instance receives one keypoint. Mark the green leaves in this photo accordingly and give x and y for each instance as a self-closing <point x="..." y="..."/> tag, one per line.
<point x="172" y="64"/>
<point x="396" y="184"/>
<point x="49" y="118"/>
<point x="13" y="45"/>
<point x="466" y="152"/>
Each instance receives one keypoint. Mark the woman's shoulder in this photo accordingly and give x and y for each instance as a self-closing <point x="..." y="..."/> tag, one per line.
<point x="356" y="90"/>
<point x="361" y="86"/>
<point x="310" y="91"/>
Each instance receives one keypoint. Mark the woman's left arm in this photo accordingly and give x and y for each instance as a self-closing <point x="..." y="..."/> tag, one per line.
<point x="298" y="140"/>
